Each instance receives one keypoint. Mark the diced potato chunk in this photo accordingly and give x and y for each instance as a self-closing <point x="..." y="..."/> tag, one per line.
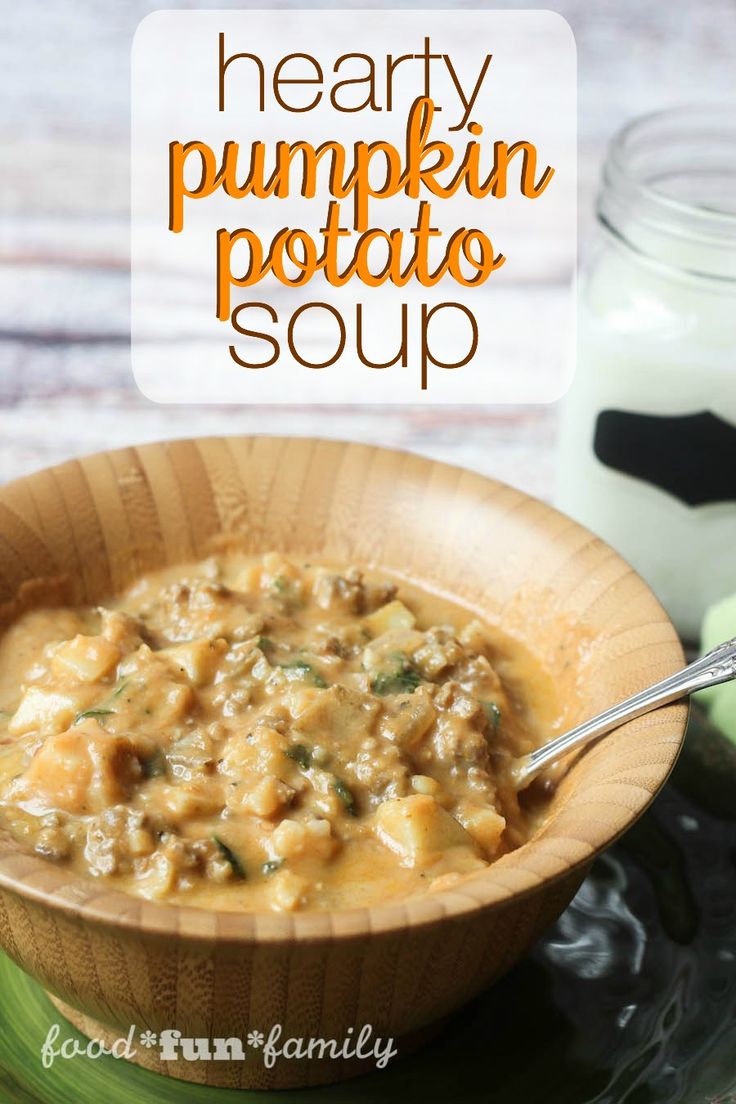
<point x="336" y="714"/>
<point x="475" y="636"/>
<point x="277" y="575"/>
<point x="197" y="659"/>
<point x="276" y="565"/>
<point x="484" y="824"/>
<point x="310" y="838"/>
<point x="46" y="710"/>
<point x="439" y="652"/>
<point x="140" y="842"/>
<point x="412" y="719"/>
<point x="87" y="658"/>
<point x="320" y="842"/>
<point x="158" y="879"/>
<point x="183" y="801"/>
<point x="121" y="629"/>
<point x="425" y="784"/>
<point x="394" y="615"/>
<point x="418" y="829"/>
<point x="289" y="838"/>
<point x="160" y="704"/>
<point x="389" y="651"/>
<point x="173" y="704"/>
<point x="288" y="890"/>
<point x="259" y="752"/>
<point x="83" y="770"/>
<point x="445" y="881"/>
<point x="248" y="580"/>
<point x="267" y="797"/>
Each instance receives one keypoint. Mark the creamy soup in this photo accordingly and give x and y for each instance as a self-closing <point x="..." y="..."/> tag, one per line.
<point x="262" y="734"/>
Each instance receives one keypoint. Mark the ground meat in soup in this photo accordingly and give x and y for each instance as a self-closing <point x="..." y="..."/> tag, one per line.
<point x="262" y="734"/>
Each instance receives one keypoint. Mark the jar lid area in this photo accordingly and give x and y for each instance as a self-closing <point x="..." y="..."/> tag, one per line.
<point x="669" y="188"/>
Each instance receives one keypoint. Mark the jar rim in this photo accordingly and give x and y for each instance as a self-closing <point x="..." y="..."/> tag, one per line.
<point x="652" y="158"/>
<point x="720" y="121"/>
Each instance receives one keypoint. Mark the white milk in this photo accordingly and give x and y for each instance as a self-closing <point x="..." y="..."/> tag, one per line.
<point x="657" y="336"/>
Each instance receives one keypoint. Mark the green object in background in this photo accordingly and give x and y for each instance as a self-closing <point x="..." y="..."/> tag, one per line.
<point x="719" y="624"/>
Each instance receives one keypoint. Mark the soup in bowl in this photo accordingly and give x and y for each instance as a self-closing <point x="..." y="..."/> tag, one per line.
<point x="258" y="733"/>
<point x="260" y="704"/>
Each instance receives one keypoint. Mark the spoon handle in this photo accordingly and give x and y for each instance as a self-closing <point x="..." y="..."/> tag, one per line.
<point x="717" y="666"/>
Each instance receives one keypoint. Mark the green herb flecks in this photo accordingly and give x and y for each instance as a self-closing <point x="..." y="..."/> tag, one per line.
<point x="301" y="669"/>
<point x="287" y="592"/>
<point x="493" y="713"/>
<point x="237" y="867"/>
<point x="272" y="866"/>
<point x="345" y="795"/>
<point x="404" y="678"/>
<point x="92" y="713"/>
<point x="301" y="754"/>
<point x="265" y="644"/>
<point x="101" y="710"/>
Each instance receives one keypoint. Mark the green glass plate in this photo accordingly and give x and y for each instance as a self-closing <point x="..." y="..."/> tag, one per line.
<point x="629" y="999"/>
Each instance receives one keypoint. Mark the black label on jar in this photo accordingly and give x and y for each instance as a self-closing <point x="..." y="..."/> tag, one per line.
<point x="692" y="456"/>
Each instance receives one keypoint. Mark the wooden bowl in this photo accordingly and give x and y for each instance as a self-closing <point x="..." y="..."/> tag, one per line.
<point x="88" y="527"/>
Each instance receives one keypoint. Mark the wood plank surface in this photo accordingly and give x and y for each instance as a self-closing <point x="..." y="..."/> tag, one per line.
<point x="65" y="382"/>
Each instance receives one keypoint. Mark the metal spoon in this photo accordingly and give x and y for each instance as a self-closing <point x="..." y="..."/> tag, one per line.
<point x="715" y="667"/>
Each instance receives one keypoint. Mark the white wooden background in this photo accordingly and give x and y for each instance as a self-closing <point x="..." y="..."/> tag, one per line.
<point x="65" y="381"/>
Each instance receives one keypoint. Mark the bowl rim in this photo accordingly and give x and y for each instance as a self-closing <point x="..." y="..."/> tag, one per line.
<point x="40" y="881"/>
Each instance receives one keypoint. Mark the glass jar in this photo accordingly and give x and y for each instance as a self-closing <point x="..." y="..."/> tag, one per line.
<point x="648" y="436"/>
